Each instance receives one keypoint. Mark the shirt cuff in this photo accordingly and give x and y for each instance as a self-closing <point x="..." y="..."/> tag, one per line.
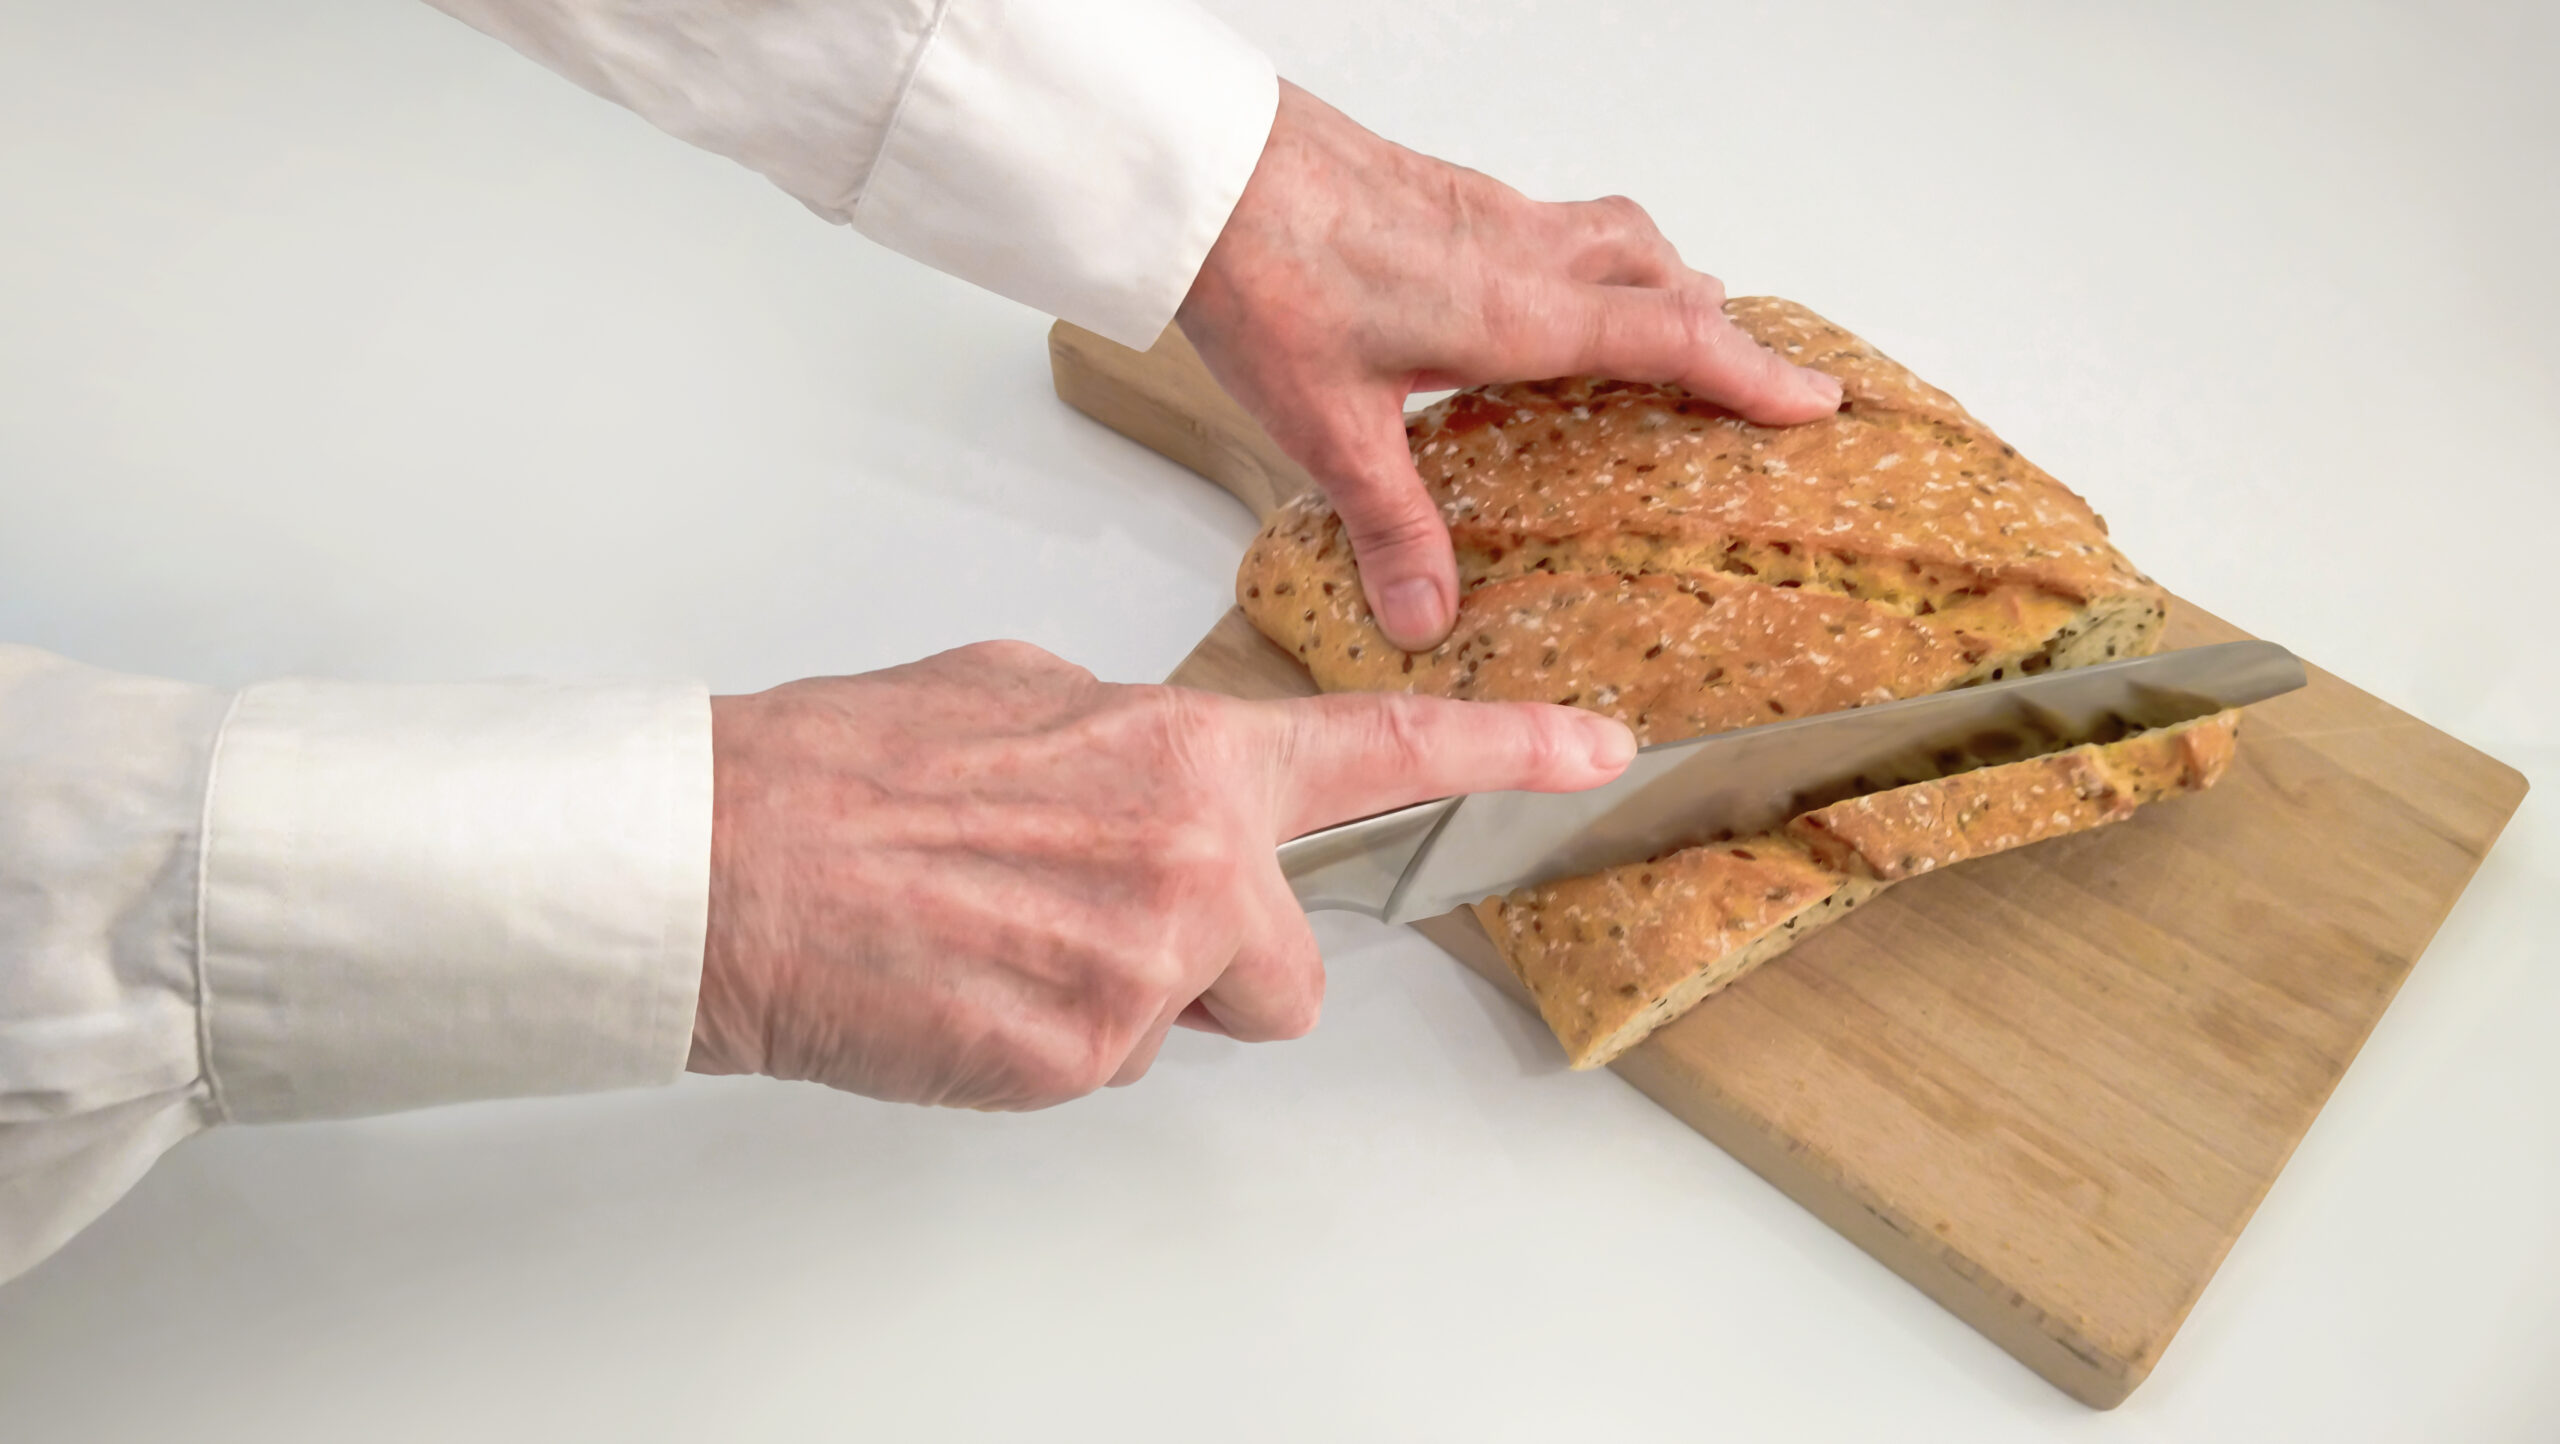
<point x="1080" y="158"/>
<point x="415" y="895"/>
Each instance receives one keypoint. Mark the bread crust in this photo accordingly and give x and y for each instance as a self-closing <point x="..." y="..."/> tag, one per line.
<point x="1633" y="550"/>
<point x="1610" y="957"/>
<point x="1618" y="950"/>
<point x="1902" y="833"/>
<point x="1684" y="566"/>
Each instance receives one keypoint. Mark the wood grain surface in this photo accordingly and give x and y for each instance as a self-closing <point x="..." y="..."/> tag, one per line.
<point x="2048" y="1088"/>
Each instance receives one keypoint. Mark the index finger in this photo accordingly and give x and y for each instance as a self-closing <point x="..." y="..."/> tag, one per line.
<point x="1337" y="758"/>
<point x="1677" y="333"/>
<point x="1681" y="334"/>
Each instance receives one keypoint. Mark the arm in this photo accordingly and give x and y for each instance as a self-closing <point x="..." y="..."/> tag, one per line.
<point x="315" y="900"/>
<point x="1078" y="156"/>
<point x="1083" y="155"/>
<point x="312" y="900"/>
<point x="984" y="880"/>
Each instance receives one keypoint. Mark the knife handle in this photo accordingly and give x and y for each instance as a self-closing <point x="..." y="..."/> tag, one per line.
<point x="1357" y="866"/>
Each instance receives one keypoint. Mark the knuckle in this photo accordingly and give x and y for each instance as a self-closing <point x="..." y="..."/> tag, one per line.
<point x="1699" y="314"/>
<point x="1179" y="834"/>
<point x="1295" y="1015"/>
<point x="1543" y="748"/>
<point x="1001" y="652"/>
<point x="1183" y="738"/>
<point x="1091" y="1067"/>
<point x="1623" y="215"/>
<point x="1030" y="1071"/>
<point x="1156" y="973"/>
<point x="1384" y="506"/>
<point x="1365" y="468"/>
<point x="1127" y="970"/>
<point x="1160" y="717"/>
<point x="1506" y="316"/>
<point x="1132" y="1071"/>
<point x="1014" y="656"/>
<point x="1181" y="713"/>
<point x="1392" y="521"/>
<point x="1402" y="731"/>
<point x="1188" y="847"/>
<point x="1754" y="370"/>
<point x="1067" y="1064"/>
<point x="1139" y="958"/>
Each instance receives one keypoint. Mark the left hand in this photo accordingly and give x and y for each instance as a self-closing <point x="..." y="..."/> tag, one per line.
<point x="1354" y="273"/>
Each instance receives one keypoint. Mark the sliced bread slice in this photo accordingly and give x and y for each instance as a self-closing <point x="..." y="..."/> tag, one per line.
<point x="1613" y="956"/>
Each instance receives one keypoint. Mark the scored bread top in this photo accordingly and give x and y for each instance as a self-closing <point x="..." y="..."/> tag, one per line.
<point x="1630" y="549"/>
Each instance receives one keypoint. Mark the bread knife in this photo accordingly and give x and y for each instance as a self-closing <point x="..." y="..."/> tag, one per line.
<point x="1421" y="861"/>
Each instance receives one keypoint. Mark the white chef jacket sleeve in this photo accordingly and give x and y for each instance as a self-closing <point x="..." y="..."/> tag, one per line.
<point x="321" y="899"/>
<point x="1076" y="155"/>
<point x="318" y="899"/>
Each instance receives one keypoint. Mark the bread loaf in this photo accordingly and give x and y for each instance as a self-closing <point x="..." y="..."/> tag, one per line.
<point x="1630" y="549"/>
<point x="1635" y="551"/>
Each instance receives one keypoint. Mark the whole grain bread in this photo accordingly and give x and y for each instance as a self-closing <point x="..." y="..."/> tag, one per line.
<point x="1613" y="956"/>
<point x="1633" y="550"/>
<point x="1902" y="833"/>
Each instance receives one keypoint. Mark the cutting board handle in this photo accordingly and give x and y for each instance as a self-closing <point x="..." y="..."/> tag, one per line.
<point x="1164" y="399"/>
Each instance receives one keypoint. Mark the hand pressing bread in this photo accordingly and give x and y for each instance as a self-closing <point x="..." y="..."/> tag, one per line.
<point x="989" y="880"/>
<point x="1355" y="272"/>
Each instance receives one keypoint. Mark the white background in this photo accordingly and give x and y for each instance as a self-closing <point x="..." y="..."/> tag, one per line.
<point x="334" y="338"/>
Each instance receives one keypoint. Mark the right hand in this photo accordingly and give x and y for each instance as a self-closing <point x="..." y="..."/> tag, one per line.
<point x="990" y="881"/>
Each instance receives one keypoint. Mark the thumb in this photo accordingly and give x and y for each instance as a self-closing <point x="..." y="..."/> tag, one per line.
<point x="1337" y="758"/>
<point x="1407" y="567"/>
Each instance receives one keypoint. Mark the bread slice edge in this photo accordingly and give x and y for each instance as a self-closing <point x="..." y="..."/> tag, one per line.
<point x="1864" y="845"/>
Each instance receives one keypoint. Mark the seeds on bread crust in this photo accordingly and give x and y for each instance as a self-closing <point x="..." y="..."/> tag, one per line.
<point x="1633" y="550"/>
<point x="1613" y="956"/>
<point x="1939" y="554"/>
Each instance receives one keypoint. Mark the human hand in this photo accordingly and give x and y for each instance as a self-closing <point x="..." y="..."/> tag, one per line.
<point x="1355" y="272"/>
<point x="988" y="880"/>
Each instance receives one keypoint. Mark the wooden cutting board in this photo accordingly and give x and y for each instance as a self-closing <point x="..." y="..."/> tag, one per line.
<point x="2047" y="1088"/>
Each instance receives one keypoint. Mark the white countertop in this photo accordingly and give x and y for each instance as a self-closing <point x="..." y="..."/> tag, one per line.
<point x="336" y="339"/>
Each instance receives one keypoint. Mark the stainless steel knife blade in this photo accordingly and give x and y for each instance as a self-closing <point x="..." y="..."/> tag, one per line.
<point x="1421" y="861"/>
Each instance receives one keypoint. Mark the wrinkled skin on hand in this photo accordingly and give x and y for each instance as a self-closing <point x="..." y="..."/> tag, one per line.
<point x="988" y="880"/>
<point x="1354" y="272"/>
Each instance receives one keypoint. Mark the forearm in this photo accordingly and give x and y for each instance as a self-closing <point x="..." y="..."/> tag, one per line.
<point x="321" y="899"/>
<point x="1079" y="156"/>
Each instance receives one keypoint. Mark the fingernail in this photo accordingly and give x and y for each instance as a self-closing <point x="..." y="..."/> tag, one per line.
<point x="1612" y="746"/>
<point x="1412" y="613"/>
<point x="1825" y="385"/>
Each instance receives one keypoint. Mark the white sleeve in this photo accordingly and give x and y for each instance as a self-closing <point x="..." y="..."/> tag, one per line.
<point x="319" y="899"/>
<point x="1076" y="155"/>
